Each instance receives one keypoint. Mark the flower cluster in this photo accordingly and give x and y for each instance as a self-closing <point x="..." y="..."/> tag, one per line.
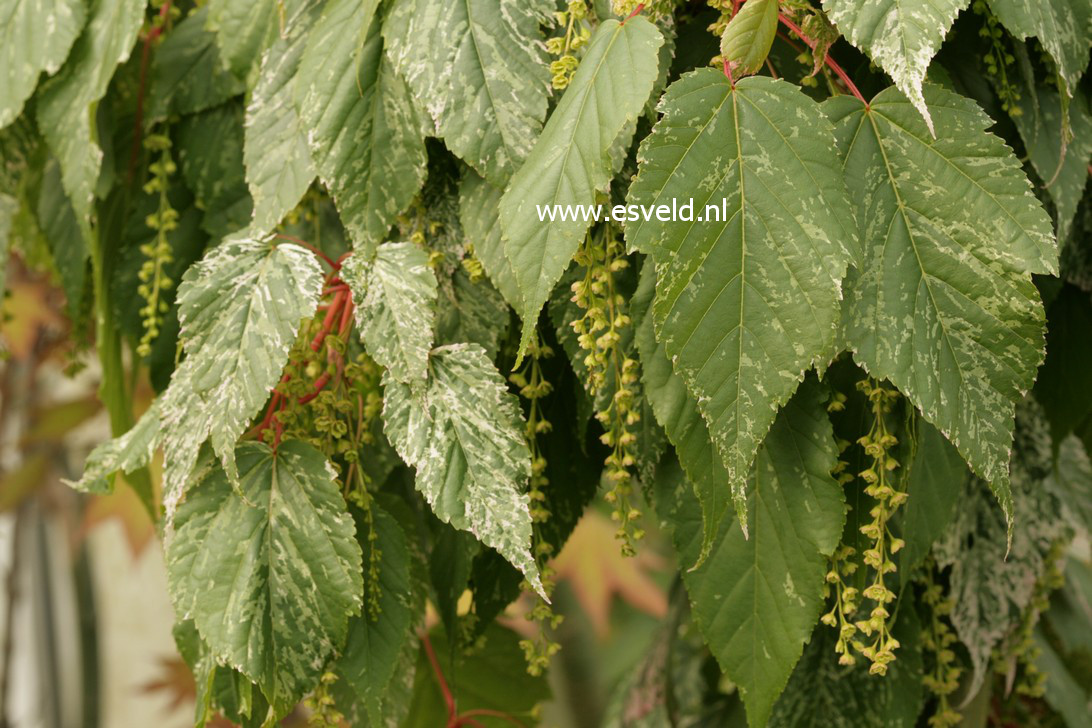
<point x="937" y="639"/>
<point x="577" y="34"/>
<point x="533" y="386"/>
<point x="324" y="714"/>
<point x="612" y="375"/>
<point x="880" y="485"/>
<point x="842" y="567"/>
<point x="158" y="254"/>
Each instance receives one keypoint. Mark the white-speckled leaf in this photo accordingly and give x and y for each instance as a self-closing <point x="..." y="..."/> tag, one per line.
<point x="126" y="453"/>
<point x="480" y="68"/>
<point x="66" y="101"/>
<point x="278" y="161"/>
<point x="271" y="572"/>
<point x="901" y="36"/>
<point x="366" y="136"/>
<point x="756" y="600"/>
<point x="35" y="36"/>
<point x="1064" y="27"/>
<point x="943" y="304"/>
<point x="240" y="309"/>
<point x="464" y="436"/>
<point x="571" y="161"/>
<point x="744" y="305"/>
<point x="396" y="294"/>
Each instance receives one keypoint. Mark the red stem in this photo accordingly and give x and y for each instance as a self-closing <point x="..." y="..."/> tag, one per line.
<point x="328" y="321"/>
<point x="838" y="71"/>
<point x="449" y="699"/>
<point x="639" y="8"/>
<point x="333" y="264"/>
<point x="319" y="384"/>
<point x="346" y="317"/>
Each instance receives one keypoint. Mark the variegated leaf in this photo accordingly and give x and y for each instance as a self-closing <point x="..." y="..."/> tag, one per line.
<point x="749" y="36"/>
<point x="365" y="134"/>
<point x="901" y="36"/>
<point x="480" y="68"/>
<point x="479" y="212"/>
<point x="66" y="102"/>
<point x="464" y="436"/>
<point x="278" y="161"/>
<point x="126" y="453"/>
<point x="943" y="304"/>
<point x="1064" y="27"/>
<point x="396" y="294"/>
<point x="573" y="161"/>
<point x="747" y="298"/>
<point x="35" y="37"/>
<point x="270" y="571"/>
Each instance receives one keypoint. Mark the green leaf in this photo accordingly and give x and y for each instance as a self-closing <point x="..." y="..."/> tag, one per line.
<point x="397" y="295"/>
<point x="278" y="161"/>
<point x="67" y="102"/>
<point x="747" y="299"/>
<point x="64" y="237"/>
<point x="464" y="436"/>
<point x="472" y="312"/>
<point x="678" y="413"/>
<point x="480" y="69"/>
<point x="1064" y="27"/>
<point x="1071" y="483"/>
<point x="210" y="155"/>
<point x="572" y="160"/>
<point x="1043" y="130"/>
<point x="749" y="36"/>
<point x="492" y="678"/>
<point x="479" y="212"/>
<point x="900" y="36"/>
<point x="943" y="304"/>
<point x="243" y="29"/>
<point x="270" y="573"/>
<point x="824" y="694"/>
<point x="757" y="599"/>
<point x="376" y="642"/>
<point x="934" y="481"/>
<point x="187" y="75"/>
<point x="35" y="36"/>
<point x="365" y="134"/>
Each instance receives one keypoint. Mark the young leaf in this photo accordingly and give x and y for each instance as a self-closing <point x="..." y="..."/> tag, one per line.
<point x="1064" y="27"/>
<point x="747" y="298"/>
<point x="187" y="75"/>
<point x="757" y="599"/>
<point x="270" y="573"/>
<point x="365" y="135"/>
<point x="278" y="160"/>
<point x="572" y="161"/>
<point x="678" y="413"/>
<point x="67" y="101"/>
<point x="943" y="305"/>
<point x="464" y="436"/>
<point x="900" y="36"/>
<point x="397" y="293"/>
<point x="749" y="36"/>
<point x="480" y="69"/>
<point x="127" y="454"/>
<point x="35" y="36"/>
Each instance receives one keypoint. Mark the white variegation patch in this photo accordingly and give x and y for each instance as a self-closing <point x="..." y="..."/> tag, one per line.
<point x="744" y="306"/>
<point x="943" y="304"/>
<point x="396" y="295"/>
<point x="901" y="36"/>
<point x="464" y="436"/>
